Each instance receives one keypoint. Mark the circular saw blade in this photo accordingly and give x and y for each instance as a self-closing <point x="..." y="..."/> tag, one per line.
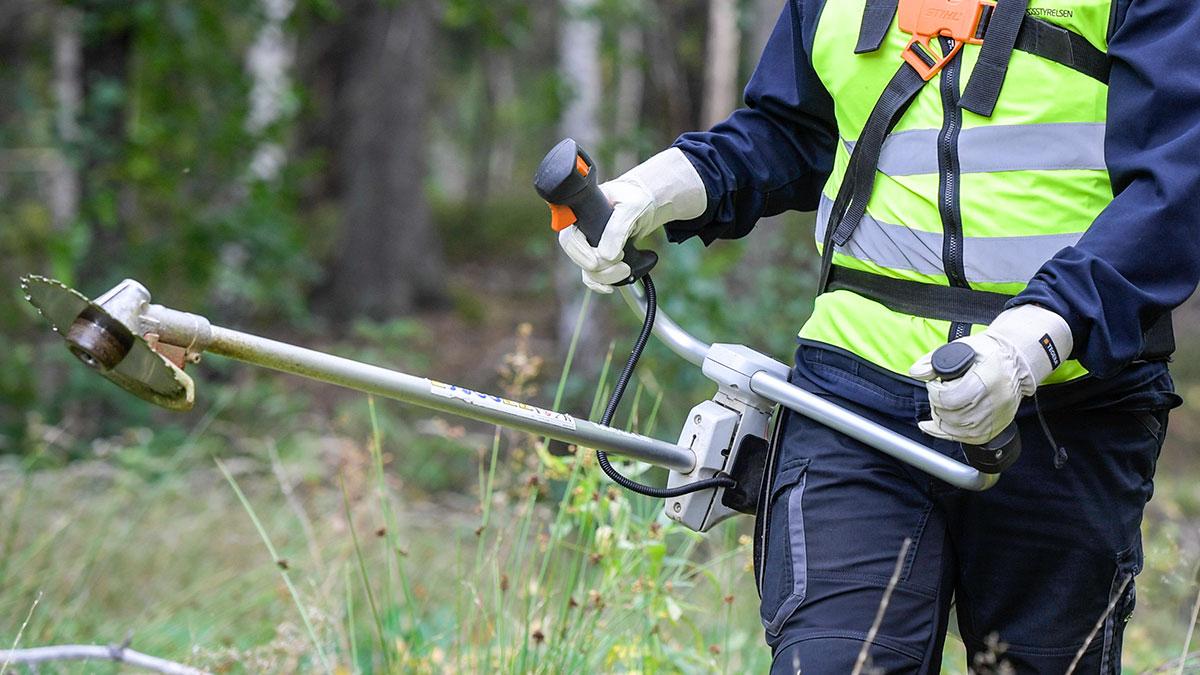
<point x="143" y="372"/>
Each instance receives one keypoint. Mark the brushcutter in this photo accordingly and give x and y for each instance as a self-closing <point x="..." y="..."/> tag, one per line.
<point x="716" y="466"/>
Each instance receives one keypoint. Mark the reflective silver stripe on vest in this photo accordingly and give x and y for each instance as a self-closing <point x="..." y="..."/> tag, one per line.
<point x="985" y="259"/>
<point x="988" y="149"/>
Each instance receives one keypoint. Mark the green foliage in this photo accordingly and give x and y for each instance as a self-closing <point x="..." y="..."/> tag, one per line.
<point x="163" y="155"/>
<point x="517" y="225"/>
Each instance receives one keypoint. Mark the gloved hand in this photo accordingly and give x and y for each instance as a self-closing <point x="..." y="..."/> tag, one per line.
<point x="1013" y="356"/>
<point x="660" y="190"/>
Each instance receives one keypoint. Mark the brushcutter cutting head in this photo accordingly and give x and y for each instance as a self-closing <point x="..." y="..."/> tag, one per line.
<point x="105" y="336"/>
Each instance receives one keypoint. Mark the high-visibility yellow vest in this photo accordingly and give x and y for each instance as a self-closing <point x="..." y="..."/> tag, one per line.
<point x="1030" y="178"/>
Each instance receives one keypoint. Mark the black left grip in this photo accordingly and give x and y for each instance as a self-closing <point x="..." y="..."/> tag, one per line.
<point x="566" y="179"/>
<point x="950" y="362"/>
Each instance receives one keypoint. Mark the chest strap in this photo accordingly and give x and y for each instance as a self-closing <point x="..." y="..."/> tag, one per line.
<point x="965" y="305"/>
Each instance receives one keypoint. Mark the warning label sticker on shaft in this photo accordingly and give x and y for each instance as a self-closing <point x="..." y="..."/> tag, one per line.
<point x="502" y="405"/>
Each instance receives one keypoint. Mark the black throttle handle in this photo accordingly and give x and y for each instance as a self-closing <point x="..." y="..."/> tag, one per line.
<point x="952" y="361"/>
<point x="566" y="179"/>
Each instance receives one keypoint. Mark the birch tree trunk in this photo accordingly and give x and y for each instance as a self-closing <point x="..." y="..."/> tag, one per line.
<point x="579" y="68"/>
<point x="68" y="94"/>
<point x="269" y="61"/>
<point x="500" y="70"/>
<point x="721" y="66"/>
<point x="670" y="83"/>
<point x="766" y="13"/>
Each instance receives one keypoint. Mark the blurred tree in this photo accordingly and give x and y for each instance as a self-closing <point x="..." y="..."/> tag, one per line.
<point x="668" y="54"/>
<point x="492" y="45"/>
<point x="367" y="66"/>
<point x="580" y="69"/>
<point x="721" y="62"/>
<point x="630" y="90"/>
<point x="68" y="93"/>
<point x="763" y="16"/>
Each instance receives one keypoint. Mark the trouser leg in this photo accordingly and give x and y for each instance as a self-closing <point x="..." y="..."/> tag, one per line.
<point x="1034" y="562"/>
<point x="1045" y="551"/>
<point x="836" y="516"/>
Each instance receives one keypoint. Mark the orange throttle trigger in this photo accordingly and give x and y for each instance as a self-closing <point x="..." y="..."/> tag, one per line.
<point x="561" y="215"/>
<point x="963" y="21"/>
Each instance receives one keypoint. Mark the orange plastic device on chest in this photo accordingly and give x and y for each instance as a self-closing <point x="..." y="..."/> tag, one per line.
<point x="963" y="21"/>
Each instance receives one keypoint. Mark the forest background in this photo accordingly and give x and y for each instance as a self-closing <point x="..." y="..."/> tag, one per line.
<point x="356" y="176"/>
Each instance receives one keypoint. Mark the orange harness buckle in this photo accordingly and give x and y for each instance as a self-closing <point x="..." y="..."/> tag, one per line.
<point x="959" y="20"/>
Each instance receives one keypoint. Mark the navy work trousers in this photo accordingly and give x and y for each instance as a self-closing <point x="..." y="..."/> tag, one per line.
<point x="1029" y="566"/>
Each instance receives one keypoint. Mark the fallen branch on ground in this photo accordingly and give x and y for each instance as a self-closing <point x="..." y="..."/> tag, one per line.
<point x="117" y="653"/>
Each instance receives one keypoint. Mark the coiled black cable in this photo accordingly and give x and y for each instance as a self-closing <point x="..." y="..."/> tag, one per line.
<point x="614" y="400"/>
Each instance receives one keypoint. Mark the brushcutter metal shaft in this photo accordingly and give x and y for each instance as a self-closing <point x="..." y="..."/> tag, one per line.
<point x="446" y="398"/>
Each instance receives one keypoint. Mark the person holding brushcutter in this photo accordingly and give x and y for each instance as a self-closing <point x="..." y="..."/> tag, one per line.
<point x="1018" y="178"/>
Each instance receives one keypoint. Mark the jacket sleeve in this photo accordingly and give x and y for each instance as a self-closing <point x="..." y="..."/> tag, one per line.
<point x="1141" y="256"/>
<point x="772" y="155"/>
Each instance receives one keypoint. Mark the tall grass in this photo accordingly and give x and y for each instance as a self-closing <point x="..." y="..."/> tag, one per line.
<point x="286" y="564"/>
<point x="565" y="573"/>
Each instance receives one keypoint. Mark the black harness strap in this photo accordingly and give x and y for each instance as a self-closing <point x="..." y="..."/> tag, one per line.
<point x="877" y="19"/>
<point x="999" y="38"/>
<point x="897" y="96"/>
<point x="965" y="305"/>
<point x="1008" y="28"/>
<point x="1158" y="342"/>
<point x="858" y="184"/>
<point x="932" y="301"/>
<point x="1035" y="36"/>
<point x="1064" y="47"/>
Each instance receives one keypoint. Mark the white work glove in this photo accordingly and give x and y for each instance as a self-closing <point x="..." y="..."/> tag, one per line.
<point x="1013" y="356"/>
<point x="662" y="189"/>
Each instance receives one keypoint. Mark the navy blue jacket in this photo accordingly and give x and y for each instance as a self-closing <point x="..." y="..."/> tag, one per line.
<point x="1139" y="259"/>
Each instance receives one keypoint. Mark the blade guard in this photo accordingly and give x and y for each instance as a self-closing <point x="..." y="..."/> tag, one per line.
<point x="962" y="21"/>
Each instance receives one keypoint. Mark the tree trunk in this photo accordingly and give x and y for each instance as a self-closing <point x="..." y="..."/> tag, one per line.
<point x="721" y="66"/>
<point x="269" y="61"/>
<point x="500" y="70"/>
<point x="387" y="258"/>
<point x="630" y="92"/>
<point x="68" y="92"/>
<point x="107" y="54"/>
<point x="579" y="67"/>
<point x="672" y="91"/>
<point x="766" y="14"/>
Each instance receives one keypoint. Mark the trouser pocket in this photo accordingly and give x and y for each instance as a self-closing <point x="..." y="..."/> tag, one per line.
<point x="1129" y="563"/>
<point x="782" y="574"/>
